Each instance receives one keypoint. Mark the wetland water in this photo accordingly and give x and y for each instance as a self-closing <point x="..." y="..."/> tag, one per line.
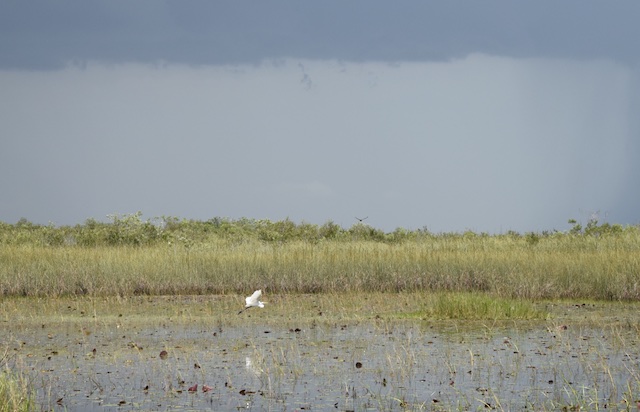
<point x="372" y="364"/>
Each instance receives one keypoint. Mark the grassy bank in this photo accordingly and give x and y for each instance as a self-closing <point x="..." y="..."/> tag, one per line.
<point x="130" y="256"/>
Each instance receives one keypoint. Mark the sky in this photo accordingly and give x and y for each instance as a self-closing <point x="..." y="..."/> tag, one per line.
<point x="451" y="116"/>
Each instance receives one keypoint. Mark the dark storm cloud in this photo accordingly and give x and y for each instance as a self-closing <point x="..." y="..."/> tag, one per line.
<point x="483" y="115"/>
<point x="41" y="34"/>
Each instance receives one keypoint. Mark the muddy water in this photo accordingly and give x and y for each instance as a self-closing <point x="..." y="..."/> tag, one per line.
<point x="367" y="365"/>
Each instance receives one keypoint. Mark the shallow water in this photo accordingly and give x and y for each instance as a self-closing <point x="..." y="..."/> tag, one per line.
<point x="366" y="365"/>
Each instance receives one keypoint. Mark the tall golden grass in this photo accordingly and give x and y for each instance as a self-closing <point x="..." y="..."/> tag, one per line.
<point x="600" y="265"/>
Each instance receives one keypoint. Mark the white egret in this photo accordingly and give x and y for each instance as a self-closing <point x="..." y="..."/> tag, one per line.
<point x="252" y="301"/>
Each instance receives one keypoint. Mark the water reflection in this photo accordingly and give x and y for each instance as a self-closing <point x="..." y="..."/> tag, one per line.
<point x="249" y="365"/>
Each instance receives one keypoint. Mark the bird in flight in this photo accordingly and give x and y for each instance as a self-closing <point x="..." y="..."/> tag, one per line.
<point x="360" y="220"/>
<point x="253" y="300"/>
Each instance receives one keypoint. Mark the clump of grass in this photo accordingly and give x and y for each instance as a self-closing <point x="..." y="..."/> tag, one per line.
<point x="476" y="306"/>
<point x="15" y="394"/>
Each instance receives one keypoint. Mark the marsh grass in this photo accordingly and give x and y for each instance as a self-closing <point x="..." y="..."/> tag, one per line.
<point x="561" y="266"/>
<point x="15" y="392"/>
<point x="297" y="310"/>
<point x="290" y="310"/>
<point x="474" y="306"/>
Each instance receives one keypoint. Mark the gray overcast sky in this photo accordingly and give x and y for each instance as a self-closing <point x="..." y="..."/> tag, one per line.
<point x="488" y="116"/>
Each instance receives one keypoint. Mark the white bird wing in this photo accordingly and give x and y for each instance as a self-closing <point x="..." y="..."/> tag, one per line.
<point x="253" y="299"/>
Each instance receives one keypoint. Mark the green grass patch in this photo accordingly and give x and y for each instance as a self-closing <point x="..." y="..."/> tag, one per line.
<point x="476" y="306"/>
